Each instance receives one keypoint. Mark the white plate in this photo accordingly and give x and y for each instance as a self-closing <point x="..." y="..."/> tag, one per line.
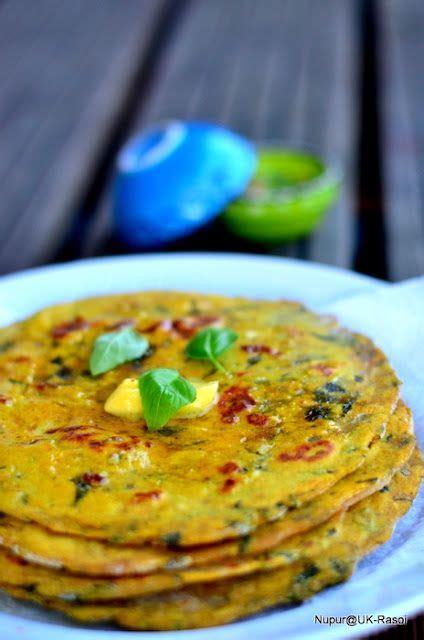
<point x="262" y="277"/>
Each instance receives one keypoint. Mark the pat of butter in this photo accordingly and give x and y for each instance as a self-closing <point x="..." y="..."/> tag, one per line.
<point x="125" y="402"/>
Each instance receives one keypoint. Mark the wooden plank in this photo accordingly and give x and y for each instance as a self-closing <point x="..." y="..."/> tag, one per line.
<point x="269" y="83"/>
<point x="280" y="70"/>
<point x="331" y="121"/>
<point x="65" y="70"/>
<point x="402" y="71"/>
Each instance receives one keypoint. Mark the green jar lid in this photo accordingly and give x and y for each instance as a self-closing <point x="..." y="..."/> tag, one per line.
<point x="287" y="197"/>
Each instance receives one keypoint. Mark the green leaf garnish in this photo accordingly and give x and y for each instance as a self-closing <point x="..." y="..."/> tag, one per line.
<point x="210" y="343"/>
<point x="112" y="349"/>
<point x="163" y="392"/>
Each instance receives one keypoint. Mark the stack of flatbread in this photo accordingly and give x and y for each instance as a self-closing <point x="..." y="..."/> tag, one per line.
<point x="302" y="467"/>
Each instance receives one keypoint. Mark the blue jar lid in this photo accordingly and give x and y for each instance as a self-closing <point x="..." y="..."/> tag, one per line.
<point x="175" y="177"/>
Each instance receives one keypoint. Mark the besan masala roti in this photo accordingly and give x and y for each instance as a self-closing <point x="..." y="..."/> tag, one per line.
<point x="300" y="404"/>
<point x="370" y="516"/>
<point x="81" y="555"/>
<point x="341" y="542"/>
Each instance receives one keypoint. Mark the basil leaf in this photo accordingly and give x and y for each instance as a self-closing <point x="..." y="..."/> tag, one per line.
<point x="208" y="344"/>
<point x="115" y="348"/>
<point x="163" y="392"/>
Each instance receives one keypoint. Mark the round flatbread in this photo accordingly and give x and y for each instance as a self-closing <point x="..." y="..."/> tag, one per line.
<point x="301" y="404"/>
<point x="372" y="517"/>
<point x="367" y="524"/>
<point x="206" y="607"/>
<point x="80" y="555"/>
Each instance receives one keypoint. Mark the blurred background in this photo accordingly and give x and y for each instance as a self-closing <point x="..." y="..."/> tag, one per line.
<point x="79" y="78"/>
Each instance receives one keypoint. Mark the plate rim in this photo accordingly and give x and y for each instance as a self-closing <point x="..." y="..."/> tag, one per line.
<point x="195" y="255"/>
<point x="49" y="629"/>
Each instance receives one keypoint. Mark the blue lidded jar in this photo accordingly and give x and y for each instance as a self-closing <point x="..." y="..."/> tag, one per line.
<point x="175" y="177"/>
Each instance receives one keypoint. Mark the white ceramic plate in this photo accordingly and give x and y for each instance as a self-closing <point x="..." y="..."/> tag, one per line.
<point x="261" y="277"/>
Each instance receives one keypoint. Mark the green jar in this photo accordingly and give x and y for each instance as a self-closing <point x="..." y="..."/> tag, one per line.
<point x="288" y="196"/>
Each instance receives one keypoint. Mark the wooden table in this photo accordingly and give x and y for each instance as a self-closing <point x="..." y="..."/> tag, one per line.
<point x="78" y="78"/>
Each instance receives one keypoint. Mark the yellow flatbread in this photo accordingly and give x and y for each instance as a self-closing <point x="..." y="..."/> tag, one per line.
<point x="372" y="518"/>
<point x="80" y="555"/>
<point x="303" y="402"/>
<point x="367" y="524"/>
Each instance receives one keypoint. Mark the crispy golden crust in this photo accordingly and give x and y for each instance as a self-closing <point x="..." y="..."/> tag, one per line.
<point x="366" y="525"/>
<point x="305" y="401"/>
<point x="81" y="555"/>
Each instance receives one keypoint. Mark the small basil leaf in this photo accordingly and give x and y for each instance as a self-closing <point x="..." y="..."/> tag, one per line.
<point x="163" y="392"/>
<point x="115" y="348"/>
<point x="210" y="343"/>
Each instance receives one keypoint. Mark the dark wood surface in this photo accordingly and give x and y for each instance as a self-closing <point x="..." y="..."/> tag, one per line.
<point x="65" y="73"/>
<point x="78" y="78"/>
<point x="258" y="80"/>
<point x="402" y="103"/>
